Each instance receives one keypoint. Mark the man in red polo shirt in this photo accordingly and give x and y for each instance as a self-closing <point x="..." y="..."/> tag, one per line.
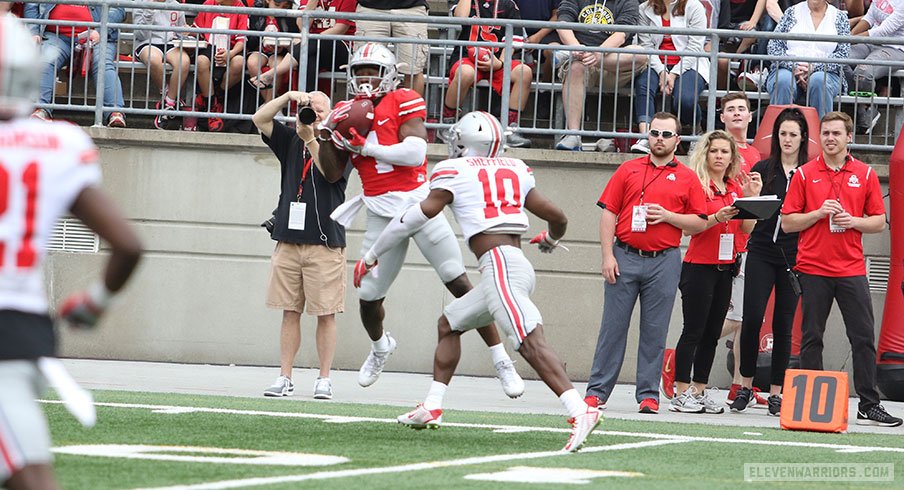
<point x="647" y="204"/>
<point x="832" y="201"/>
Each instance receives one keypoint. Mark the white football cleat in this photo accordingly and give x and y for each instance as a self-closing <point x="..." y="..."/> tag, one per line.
<point x="581" y="427"/>
<point x="373" y="366"/>
<point x="421" y="418"/>
<point x="512" y="384"/>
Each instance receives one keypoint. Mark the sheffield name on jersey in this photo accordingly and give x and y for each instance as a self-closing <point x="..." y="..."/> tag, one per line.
<point x="488" y="193"/>
<point x="43" y="168"/>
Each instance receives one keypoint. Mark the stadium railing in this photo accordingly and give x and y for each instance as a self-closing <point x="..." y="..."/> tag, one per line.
<point x="608" y="111"/>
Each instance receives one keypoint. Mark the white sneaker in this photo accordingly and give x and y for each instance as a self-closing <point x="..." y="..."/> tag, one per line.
<point x="581" y="427"/>
<point x="421" y="418"/>
<point x="281" y="387"/>
<point x="709" y="405"/>
<point x="323" y="389"/>
<point x="606" y="145"/>
<point x="373" y="366"/>
<point x="753" y="80"/>
<point x="512" y="384"/>
<point x="570" y="143"/>
<point x="642" y="146"/>
<point x="686" y="402"/>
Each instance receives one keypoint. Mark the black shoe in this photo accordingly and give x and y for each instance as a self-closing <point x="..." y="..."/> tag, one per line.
<point x="743" y="400"/>
<point x="877" y="415"/>
<point x="775" y="405"/>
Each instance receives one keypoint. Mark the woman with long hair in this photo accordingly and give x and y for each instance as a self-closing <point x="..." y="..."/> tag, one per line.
<point x="770" y="258"/>
<point x="709" y="268"/>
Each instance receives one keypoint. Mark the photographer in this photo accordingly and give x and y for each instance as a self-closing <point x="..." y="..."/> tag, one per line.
<point x="308" y="264"/>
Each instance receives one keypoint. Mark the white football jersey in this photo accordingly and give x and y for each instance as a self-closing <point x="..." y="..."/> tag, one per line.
<point x="488" y="193"/>
<point x="43" y="168"/>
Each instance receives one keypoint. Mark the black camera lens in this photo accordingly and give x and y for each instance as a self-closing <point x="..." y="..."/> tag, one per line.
<point x="306" y="115"/>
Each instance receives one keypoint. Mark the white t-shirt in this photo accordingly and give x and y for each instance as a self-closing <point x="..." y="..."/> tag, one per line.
<point x="488" y="193"/>
<point x="44" y="166"/>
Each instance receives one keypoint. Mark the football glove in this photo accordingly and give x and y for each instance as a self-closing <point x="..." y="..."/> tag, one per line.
<point x="338" y="114"/>
<point x="361" y="270"/>
<point x="83" y="309"/>
<point x="354" y="145"/>
<point x="546" y="243"/>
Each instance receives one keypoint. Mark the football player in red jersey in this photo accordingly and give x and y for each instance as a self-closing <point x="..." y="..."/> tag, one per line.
<point x="392" y="163"/>
<point x="488" y="196"/>
<point x="46" y="169"/>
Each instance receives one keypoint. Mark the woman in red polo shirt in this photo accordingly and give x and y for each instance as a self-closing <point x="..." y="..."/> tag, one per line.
<point x="709" y="268"/>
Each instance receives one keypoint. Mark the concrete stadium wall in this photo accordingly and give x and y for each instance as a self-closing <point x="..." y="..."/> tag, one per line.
<point x="198" y="297"/>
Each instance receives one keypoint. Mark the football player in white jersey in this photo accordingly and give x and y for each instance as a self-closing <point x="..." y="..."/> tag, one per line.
<point x="392" y="164"/>
<point x="488" y="195"/>
<point x="46" y="170"/>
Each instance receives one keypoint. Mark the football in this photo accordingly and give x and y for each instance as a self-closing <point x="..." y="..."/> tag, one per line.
<point x="360" y="117"/>
<point x="479" y="54"/>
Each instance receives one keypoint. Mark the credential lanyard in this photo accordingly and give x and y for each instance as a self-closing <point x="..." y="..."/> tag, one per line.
<point x="305" y="170"/>
<point x="644" y="183"/>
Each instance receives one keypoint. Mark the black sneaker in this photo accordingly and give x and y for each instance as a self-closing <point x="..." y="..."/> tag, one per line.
<point x="877" y="415"/>
<point x="775" y="405"/>
<point x="742" y="400"/>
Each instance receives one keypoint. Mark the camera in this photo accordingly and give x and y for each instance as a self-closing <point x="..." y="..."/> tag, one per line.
<point x="306" y="115"/>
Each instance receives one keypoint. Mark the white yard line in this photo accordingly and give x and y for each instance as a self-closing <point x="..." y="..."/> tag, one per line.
<point x="327" y="475"/>
<point x="658" y="439"/>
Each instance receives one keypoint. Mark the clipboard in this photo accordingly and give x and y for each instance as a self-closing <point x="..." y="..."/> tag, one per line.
<point x="761" y="207"/>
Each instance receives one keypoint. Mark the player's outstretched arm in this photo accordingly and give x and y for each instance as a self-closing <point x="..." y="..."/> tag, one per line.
<point x="410" y="151"/>
<point x="544" y="209"/>
<point x="401" y="228"/>
<point x="98" y="212"/>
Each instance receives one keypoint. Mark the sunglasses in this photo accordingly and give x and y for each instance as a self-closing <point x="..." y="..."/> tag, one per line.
<point x="665" y="134"/>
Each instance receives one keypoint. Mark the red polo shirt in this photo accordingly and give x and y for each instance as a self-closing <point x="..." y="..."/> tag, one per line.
<point x="704" y="246"/>
<point x="673" y="186"/>
<point x="856" y="186"/>
<point x="749" y="156"/>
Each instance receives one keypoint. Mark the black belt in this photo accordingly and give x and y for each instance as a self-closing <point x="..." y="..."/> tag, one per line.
<point x="642" y="253"/>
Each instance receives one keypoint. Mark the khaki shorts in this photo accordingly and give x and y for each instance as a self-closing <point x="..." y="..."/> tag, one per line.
<point x="414" y="56"/>
<point x="307" y="274"/>
<point x="24" y="436"/>
<point x="611" y="79"/>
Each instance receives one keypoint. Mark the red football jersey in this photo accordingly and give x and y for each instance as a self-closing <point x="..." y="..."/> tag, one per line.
<point x="393" y="110"/>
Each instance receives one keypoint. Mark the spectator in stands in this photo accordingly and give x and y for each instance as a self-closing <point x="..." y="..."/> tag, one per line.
<point x="772" y="254"/>
<point x="15" y="8"/>
<point x="221" y="65"/>
<point x="681" y="77"/>
<point x="58" y="44"/>
<point x="789" y="80"/>
<point x="884" y="18"/>
<point x="578" y="69"/>
<point x="709" y="268"/>
<point x="308" y="264"/>
<point x="412" y="58"/>
<point x="479" y="63"/>
<point x="646" y="204"/>
<point x="265" y="53"/>
<point x="832" y="201"/>
<point x="155" y="48"/>
<point x="325" y="55"/>
<point x="541" y="10"/>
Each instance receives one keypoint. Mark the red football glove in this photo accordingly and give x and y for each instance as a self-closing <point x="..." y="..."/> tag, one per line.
<point x="361" y="270"/>
<point x="546" y="242"/>
<point x="339" y="113"/>
<point x="355" y="144"/>
<point x="84" y="309"/>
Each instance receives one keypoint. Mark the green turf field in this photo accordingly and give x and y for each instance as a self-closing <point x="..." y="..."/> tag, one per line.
<point x="367" y="449"/>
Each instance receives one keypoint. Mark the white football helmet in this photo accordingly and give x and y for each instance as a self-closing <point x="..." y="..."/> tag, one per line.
<point x="20" y="68"/>
<point x="477" y="134"/>
<point x="372" y="55"/>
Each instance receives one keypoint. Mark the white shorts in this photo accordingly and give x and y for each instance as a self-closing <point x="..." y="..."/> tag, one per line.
<point x="24" y="435"/>
<point x="736" y="306"/>
<point x="436" y="241"/>
<point x="503" y="294"/>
